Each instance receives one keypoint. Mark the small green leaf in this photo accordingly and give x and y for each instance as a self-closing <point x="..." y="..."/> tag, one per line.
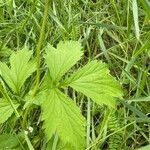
<point x="62" y="117"/>
<point x="47" y="83"/>
<point x="5" y="51"/>
<point x="95" y="82"/>
<point x="6" y="110"/>
<point x="30" y="98"/>
<point x="60" y="60"/>
<point x="144" y="148"/>
<point x="20" y="69"/>
<point x="9" y="142"/>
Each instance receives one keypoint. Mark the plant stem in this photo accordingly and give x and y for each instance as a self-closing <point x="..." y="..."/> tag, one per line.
<point x="39" y="44"/>
<point x="55" y="142"/>
<point x="28" y="141"/>
<point x="103" y="127"/>
<point x="6" y="96"/>
<point x="88" y="123"/>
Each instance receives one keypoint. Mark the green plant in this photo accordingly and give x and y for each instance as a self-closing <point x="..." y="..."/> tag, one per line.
<point x="115" y="141"/>
<point x="60" y="114"/>
<point x="116" y="32"/>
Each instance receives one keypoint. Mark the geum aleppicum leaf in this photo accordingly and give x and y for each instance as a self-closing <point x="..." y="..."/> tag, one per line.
<point x="6" y="110"/>
<point x="63" y="118"/>
<point x="20" y="69"/>
<point x="60" y="115"/>
<point x="94" y="81"/>
<point x="61" y="59"/>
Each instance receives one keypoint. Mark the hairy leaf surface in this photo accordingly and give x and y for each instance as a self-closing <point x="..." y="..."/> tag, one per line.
<point x="60" y="60"/>
<point x="62" y="117"/>
<point x="95" y="82"/>
<point x="20" y="69"/>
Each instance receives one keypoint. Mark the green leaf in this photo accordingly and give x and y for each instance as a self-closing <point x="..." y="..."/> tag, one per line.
<point x="4" y="51"/>
<point x="59" y="145"/>
<point x="63" y="118"/>
<point x="30" y="98"/>
<point x="20" y="69"/>
<point x="146" y="6"/>
<point x="6" y="110"/>
<point x="60" y="60"/>
<point x="135" y="17"/>
<point x="144" y="148"/>
<point x="9" y="142"/>
<point x="95" y="82"/>
<point x="47" y="83"/>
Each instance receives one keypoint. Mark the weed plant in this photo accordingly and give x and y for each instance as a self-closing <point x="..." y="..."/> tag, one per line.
<point x="74" y="74"/>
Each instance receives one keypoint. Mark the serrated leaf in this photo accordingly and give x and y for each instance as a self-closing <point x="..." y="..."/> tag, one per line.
<point x="6" y="110"/>
<point x="60" y="60"/>
<point x="62" y="117"/>
<point x="95" y="82"/>
<point x="20" y="69"/>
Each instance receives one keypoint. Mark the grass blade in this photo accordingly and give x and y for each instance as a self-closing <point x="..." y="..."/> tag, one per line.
<point x="135" y="17"/>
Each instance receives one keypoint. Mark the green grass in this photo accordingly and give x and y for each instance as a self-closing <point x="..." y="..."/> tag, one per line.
<point x="116" y="32"/>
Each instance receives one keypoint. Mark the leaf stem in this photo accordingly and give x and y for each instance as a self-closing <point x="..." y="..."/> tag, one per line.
<point x="88" y="123"/>
<point x="39" y="44"/>
<point x="28" y="141"/>
<point x="6" y="96"/>
<point x="103" y="127"/>
<point x="55" y="142"/>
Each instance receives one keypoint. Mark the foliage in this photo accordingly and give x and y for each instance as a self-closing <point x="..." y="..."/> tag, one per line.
<point x="59" y="113"/>
<point x="6" y="110"/>
<point x="61" y="96"/>
<point x="20" y="69"/>
<point x="9" y="141"/>
<point x="66" y="121"/>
